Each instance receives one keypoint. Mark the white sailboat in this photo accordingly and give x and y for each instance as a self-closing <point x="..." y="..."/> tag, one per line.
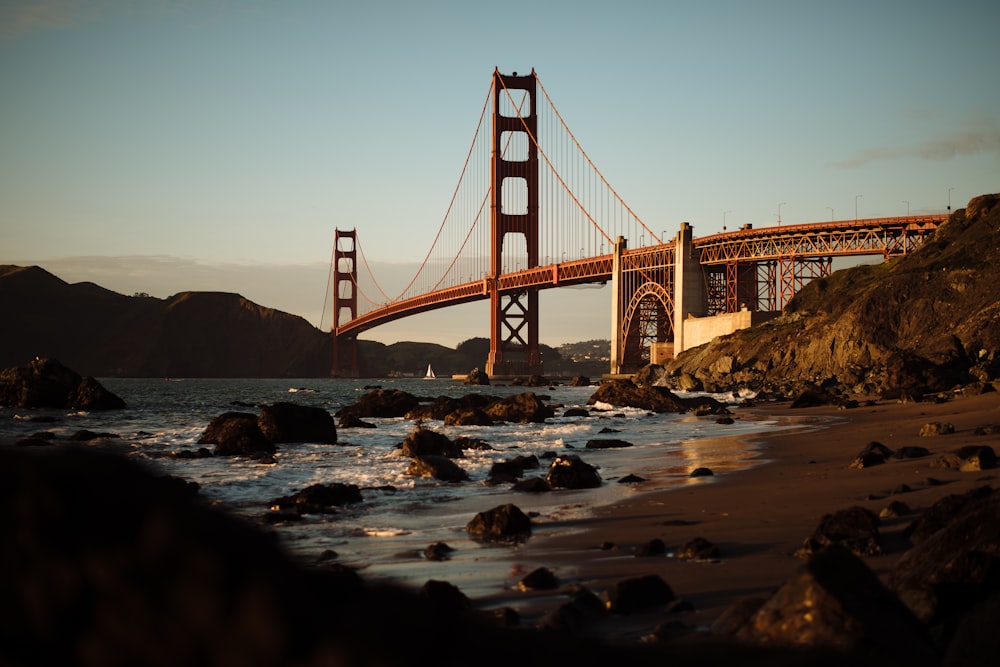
<point x="430" y="373"/>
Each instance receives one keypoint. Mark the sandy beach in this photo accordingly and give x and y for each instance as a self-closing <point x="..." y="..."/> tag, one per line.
<point x="758" y="517"/>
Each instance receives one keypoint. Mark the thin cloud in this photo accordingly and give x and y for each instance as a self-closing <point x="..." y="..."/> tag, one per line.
<point x="959" y="144"/>
<point x="22" y="17"/>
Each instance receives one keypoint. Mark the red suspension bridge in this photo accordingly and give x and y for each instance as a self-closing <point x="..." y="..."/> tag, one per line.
<point x="531" y="211"/>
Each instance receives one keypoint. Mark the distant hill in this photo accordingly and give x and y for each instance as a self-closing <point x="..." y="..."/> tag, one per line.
<point x="102" y="333"/>
<point x="192" y="334"/>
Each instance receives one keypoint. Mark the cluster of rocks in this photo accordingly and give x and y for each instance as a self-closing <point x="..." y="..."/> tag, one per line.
<point x="46" y="383"/>
<point x="257" y="436"/>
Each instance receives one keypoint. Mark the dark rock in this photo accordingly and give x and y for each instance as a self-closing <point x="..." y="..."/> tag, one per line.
<point x="725" y="421"/>
<point x="444" y="597"/>
<point x="425" y="442"/>
<point x="697" y="549"/>
<point x="936" y="428"/>
<point x="318" y="498"/>
<point x="200" y="453"/>
<point x="531" y="485"/>
<point x="976" y="642"/>
<point x="855" y="529"/>
<point x="631" y="479"/>
<point x="951" y="569"/>
<point x="515" y="467"/>
<point x="811" y="398"/>
<point x="91" y="395"/>
<point x="290" y="422"/>
<point x="639" y="594"/>
<point x="835" y="601"/>
<point x="478" y="444"/>
<point x="701" y="472"/>
<point x="477" y="377"/>
<point x="576" y="412"/>
<point x="530" y="381"/>
<point x="972" y="458"/>
<point x="570" y="472"/>
<point x="505" y="523"/>
<point x="438" y="551"/>
<point x="607" y="443"/>
<point x="729" y="622"/>
<point x="655" y="547"/>
<point x="381" y="403"/>
<point x="85" y="435"/>
<point x="894" y="509"/>
<point x="580" y="381"/>
<point x="940" y="513"/>
<point x="874" y="453"/>
<point x="437" y="409"/>
<point x="46" y="383"/>
<point x="468" y="417"/>
<point x="576" y="616"/>
<point x="625" y="393"/>
<point x="521" y="408"/>
<point x="911" y="452"/>
<point x="436" y="466"/>
<point x="236" y="434"/>
<point x="353" y="421"/>
<point x="539" y="579"/>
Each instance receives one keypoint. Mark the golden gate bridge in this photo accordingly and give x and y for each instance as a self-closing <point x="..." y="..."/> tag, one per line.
<point x="531" y="211"/>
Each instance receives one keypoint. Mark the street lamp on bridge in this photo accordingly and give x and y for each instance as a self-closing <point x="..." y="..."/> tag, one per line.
<point x="856" y="198"/>
<point x="779" y="212"/>
<point x="907" y="207"/>
<point x="724" y="219"/>
<point x="831" y="213"/>
<point x="949" y="199"/>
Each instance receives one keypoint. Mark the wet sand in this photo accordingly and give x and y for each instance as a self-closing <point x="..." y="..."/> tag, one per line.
<point x="756" y="517"/>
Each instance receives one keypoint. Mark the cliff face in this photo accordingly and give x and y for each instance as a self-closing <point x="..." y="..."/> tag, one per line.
<point x="924" y="322"/>
<point x="192" y="334"/>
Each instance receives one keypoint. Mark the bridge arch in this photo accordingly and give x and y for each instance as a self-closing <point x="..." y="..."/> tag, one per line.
<point x="648" y="318"/>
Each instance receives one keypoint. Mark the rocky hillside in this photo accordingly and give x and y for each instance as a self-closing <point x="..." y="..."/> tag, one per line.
<point x="192" y="334"/>
<point x="926" y="322"/>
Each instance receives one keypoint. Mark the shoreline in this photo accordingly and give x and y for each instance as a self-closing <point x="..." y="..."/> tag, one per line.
<point x="757" y="517"/>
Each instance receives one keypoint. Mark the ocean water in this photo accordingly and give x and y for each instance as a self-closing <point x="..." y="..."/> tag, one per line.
<point x="400" y="515"/>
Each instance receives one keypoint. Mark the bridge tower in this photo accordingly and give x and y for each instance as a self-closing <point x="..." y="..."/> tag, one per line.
<point x="345" y="302"/>
<point x="513" y="210"/>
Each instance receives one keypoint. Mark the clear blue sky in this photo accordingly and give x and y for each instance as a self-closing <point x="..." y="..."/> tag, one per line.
<point x="215" y="145"/>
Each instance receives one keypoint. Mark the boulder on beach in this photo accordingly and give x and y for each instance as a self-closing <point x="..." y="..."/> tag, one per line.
<point x="381" y="403"/>
<point x="290" y="422"/>
<point x="854" y="528"/>
<point x="318" y="498"/>
<point x="477" y="377"/>
<point x="504" y="523"/>
<point x="835" y="601"/>
<point x="571" y="472"/>
<point x="519" y="408"/>
<point x="46" y="383"/>
<point x="236" y="434"/>
<point x="425" y="442"/>
<point x="638" y="594"/>
<point x="436" y="466"/>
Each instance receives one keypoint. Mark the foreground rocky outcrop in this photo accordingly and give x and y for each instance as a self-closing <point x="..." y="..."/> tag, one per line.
<point x="914" y="325"/>
<point x="46" y="383"/>
<point x="145" y="573"/>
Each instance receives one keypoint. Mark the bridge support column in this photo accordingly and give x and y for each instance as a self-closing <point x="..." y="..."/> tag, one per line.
<point x="617" y="308"/>
<point x="345" y="302"/>
<point x="690" y="296"/>
<point x="513" y="210"/>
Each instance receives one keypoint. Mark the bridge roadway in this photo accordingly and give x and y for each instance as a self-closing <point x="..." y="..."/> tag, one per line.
<point x="888" y="237"/>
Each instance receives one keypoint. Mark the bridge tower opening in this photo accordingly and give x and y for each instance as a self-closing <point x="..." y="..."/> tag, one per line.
<point x="514" y="198"/>
<point x="345" y="303"/>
